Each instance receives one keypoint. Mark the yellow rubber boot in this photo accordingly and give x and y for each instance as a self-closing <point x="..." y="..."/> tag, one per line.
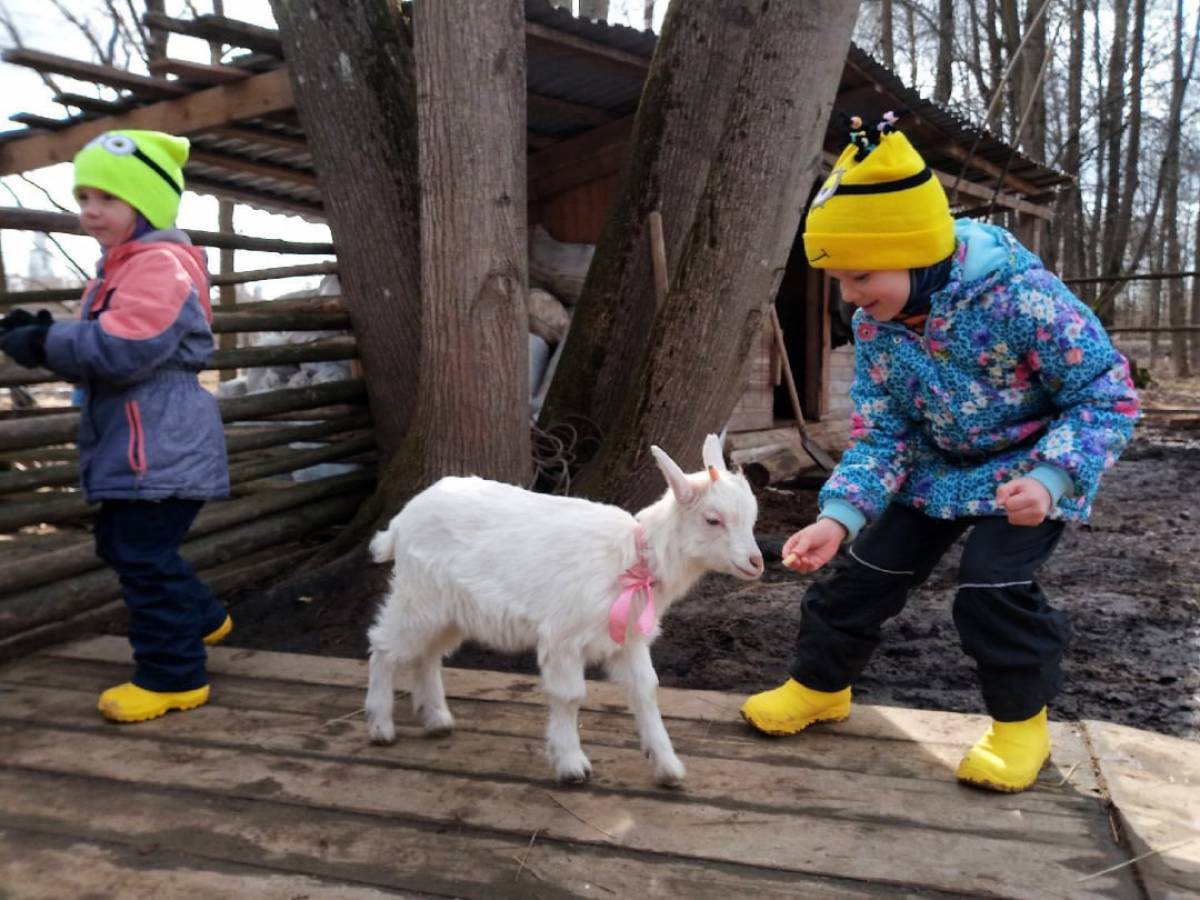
<point x="1009" y="757"/>
<point x="219" y="633"/>
<point x="129" y="703"/>
<point x="793" y="707"/>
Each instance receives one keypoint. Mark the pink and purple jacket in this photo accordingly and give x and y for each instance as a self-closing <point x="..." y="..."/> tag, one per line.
<point x="148" y="430"/>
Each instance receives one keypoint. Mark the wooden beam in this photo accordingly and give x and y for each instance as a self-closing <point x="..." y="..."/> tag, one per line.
<point x="220" y="30"/>
<point x="53" y="64"/>
<point x="978" y="191"/>
<point x="552" y="107"/>
<point x="94" y="104"/>
<point x="215" y="106"/>
<point x="242" y="166"/>
<point x="45" y="123"/>
<point x="63" y="428"/>
<point x="273" y="139"/>
<point x="990" y="168"/>
<point x="262" y="199"/>
<point x="578" y="160"/>
<point x="197" y="73"/>
<point x="321" y="268"/>
<point x="65" y="223"/>
<point x="628" y="64"/>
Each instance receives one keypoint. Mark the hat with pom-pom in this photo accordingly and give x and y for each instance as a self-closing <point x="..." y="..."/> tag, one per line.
<point x="143" y="168"/>
<point x="883" y="209"/>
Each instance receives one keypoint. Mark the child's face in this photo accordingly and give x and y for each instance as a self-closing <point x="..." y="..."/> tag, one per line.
<point x="881" y="293"/>
<point x="109" y="220"/>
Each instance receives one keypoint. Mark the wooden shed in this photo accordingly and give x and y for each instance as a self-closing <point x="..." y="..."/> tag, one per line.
<point x="584" y="83"/>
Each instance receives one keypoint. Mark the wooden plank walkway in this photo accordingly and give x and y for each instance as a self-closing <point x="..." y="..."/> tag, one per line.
<point x="273" y="791"/>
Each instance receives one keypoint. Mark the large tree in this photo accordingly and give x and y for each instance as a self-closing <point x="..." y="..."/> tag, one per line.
<point x="726" y="145"/>
<point x="428" y="220"/>
<point x="355" y="84"/>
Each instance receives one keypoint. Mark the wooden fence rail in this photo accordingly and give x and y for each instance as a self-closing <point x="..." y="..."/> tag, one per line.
<point x="69" y="597"/>
<point x="237" y="440"/>
<point x="66" y="223"/>
<point x="61" y="428"/>
<point x="80" y="556"/>
<point x="67" y="294"/>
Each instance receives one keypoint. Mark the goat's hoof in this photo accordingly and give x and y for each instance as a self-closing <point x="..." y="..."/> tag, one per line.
<point x="670" y="773"/>
<point x="579" y="777"/>
<point x="437" y="724"/>
<point x="381" y="734"/>
<point x="577" y="770"/>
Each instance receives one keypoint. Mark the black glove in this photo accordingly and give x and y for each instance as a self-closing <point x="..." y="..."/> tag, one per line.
<point x="19" y="318"/>
<point x="26" y="344"/>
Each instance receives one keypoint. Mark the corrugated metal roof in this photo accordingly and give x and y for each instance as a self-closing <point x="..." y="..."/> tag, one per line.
<point x="560" y="71"/>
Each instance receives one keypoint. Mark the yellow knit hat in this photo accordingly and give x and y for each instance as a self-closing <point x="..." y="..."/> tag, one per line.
<point x="886" y="212"/>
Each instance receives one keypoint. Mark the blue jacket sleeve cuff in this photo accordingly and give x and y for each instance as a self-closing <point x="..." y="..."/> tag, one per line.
<point x="1057" y="481"/>
<point x="846" y="515"/>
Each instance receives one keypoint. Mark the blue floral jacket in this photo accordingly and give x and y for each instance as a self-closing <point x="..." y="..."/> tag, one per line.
<point x="1013" y="376"/>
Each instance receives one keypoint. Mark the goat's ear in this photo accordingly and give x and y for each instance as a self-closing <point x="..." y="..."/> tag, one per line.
<point x="713" y="456"/>
<point x="685" y="492"/>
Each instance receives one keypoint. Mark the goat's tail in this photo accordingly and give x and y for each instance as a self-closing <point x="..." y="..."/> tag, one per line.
<point x="383" y="544"/>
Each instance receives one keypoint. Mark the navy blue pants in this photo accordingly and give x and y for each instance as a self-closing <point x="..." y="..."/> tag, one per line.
<point x="1004" y="622"/>
<point x="170" y="609"/>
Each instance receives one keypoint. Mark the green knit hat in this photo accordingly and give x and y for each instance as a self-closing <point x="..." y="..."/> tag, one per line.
<point x="143" y="168"/>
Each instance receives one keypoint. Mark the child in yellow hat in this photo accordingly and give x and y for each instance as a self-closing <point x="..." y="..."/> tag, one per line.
<point x="151" y="445"/>
<point x="988" y="401"/>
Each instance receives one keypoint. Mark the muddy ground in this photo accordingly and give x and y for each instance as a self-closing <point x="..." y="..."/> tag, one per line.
<point x="1130" y="581"/>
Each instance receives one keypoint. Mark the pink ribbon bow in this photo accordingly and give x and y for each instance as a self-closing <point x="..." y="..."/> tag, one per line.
<point x="633" y="580"/>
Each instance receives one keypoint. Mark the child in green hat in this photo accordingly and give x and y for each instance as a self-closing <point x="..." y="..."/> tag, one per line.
<point x="151" y="445"/>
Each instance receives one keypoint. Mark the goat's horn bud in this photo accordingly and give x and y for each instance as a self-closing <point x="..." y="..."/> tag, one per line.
<point x="712" y="473"/>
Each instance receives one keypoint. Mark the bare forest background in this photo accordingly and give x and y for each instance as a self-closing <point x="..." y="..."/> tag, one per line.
<point x="1101" y="89"/>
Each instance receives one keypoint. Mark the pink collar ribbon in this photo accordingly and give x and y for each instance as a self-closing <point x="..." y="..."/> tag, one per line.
<point x="634" y="580"/>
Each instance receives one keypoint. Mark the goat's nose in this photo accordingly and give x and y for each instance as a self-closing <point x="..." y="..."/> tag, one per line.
<point x="756" y="562"/>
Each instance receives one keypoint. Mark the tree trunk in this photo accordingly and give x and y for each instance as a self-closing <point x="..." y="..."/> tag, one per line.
<point x="1112" y="253"/>
<point x="725" y="146"/>
<point x="156" y="41"/>
<point x="353" y="76"/>
<point x="1155" y="317"/>
<point x="944" y="83"/>
<point x="1195" y="318"/>
<point x="1010" y="25"/>
<point x="887" y="33"/>
<point x="974" y="48"/>
<point x="473" y="417"/>
<point x="910" y="29"/>
<point x="1070" y="219"/>
<point x="1176" y="305"/>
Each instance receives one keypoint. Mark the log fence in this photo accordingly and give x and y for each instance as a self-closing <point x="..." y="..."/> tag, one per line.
<point x="51" y="582"/>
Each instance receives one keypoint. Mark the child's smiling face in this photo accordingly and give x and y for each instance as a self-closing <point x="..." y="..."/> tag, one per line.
<point x="881" y="293"/>
<point x="106" y="218"/>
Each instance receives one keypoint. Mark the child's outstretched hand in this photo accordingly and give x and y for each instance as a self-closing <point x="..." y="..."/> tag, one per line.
<point x="1026" y="501"/>
<point x="811" y="547"/>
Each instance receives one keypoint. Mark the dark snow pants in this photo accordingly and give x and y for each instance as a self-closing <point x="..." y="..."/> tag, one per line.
<point x="170" y="608"/>
<point x="1004" y="622"/>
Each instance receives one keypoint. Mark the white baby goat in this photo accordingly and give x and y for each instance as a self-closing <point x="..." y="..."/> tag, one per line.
<point x="515" y="570"/>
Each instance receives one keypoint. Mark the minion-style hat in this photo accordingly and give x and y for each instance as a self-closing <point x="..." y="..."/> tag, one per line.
<point x="143" y="168"/>
<point x="881" y="208"/>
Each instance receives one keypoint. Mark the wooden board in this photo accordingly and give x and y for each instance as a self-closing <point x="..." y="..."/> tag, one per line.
<point x="273" y="790"/>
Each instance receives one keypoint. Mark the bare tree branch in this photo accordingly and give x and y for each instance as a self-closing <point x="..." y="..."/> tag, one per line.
<point x="7" y="21"/>
<point x="65" y="255"/>
<point x="86" y="30"/>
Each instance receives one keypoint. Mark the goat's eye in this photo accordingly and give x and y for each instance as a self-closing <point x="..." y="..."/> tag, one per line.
<point x="713" y="520"/>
